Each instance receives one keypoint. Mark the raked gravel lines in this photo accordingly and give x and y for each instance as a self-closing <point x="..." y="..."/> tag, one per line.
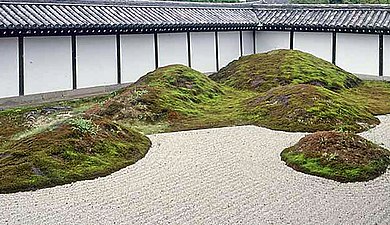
<point x="228" y="175"/>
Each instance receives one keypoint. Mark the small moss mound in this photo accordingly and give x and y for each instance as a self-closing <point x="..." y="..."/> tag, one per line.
<point x="77" y="149"/>
<point x="168" y="92"/>
<point x="308" y="108"/>
<point x="264" y="71"/>
<point x="343" y="157"/>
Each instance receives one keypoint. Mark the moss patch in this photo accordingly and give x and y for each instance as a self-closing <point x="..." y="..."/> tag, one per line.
<point x="77" y="149"/>
<point x="343" y="157"/>
<point x="308" y="108"/>
<point x="373" y="95"/>
<point x="264" y="71"/>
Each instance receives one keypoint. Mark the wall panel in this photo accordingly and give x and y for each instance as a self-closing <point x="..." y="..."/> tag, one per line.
<point x="358" y="53"/>
<point x="316" y="43"/>
<point x="386" y="55"/>
<point x="47" y="64"/>
<point x="172" y="49"/>
<point x="229" y="47"/>
<point x="9" y="76"/>
<point x="247" y="43"/>
<point x="96" y="61"/>
<point x="203" y="56"/>
<point x="137" y="56"/>
<point x="271" y="40"/>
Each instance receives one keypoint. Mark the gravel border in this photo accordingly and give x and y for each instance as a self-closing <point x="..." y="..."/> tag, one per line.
<point x="230" y="175"/>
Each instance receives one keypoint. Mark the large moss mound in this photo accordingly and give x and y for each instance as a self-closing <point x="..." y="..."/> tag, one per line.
<point x="308" y="108"/>
<point x="167" y="93"/>
<point x="343" y="157"/>
<point x="264" y="71"/>
<point x="76" y="149"/>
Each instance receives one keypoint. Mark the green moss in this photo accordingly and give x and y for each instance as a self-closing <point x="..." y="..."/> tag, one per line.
<point x="343" y="157"/>
<point x="167" y="93"/>
<point x="65" y="155"/>
<point x="373" y="95"/>
<point x="264" y="71"/>
<point x="308" y="108"/>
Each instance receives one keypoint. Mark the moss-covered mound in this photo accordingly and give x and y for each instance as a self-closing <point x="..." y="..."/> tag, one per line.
<point x="343" y="157"/>
<point x="308" y="108"/>
<point x="264" y="71"/>
<point x="76" y="149"/>
<point x="168" y="92"/>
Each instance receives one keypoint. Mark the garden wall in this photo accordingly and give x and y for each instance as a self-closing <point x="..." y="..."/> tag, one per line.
<point x="386" y="55"/>
<point x="47" y="64"/>
<point x="137" y="56"/>
<point x="9" y="67"/>
<point x="73" y="62"/>
<point x="96" y="61"/>
<point x="316" y="43"/>
<point x="358" y="53"/>
<point x="271" y="40"/>
<point x="203" y="51"/>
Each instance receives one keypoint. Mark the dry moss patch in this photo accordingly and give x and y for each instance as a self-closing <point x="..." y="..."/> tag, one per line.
<point x="308" y="108"/>
<point x="343" y="157"/>
<point x="76" y="149"/>
<point x="264" y="71"/>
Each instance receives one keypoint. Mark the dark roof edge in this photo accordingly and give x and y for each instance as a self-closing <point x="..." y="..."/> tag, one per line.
<point x="134" y="3"/>
<point x="321" y="6"/>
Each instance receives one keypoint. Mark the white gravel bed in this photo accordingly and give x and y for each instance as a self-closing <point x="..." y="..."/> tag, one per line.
<point x="228" y="175"/>
<point x="381" y="133"/>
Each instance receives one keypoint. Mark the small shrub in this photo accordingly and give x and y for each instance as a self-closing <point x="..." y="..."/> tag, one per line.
<point x="84" y="126"/>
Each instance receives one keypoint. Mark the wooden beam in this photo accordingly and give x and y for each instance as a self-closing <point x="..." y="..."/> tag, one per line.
<point x="74" y="62"/>
<point x="381" y="55"/>
<point x="118" y="58"/>
<point x="216" y="50"/>
<point x="21" y="64"/>
<point x="334" y="45"/>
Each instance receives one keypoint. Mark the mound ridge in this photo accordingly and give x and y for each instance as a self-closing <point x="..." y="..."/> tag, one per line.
<point x="343" y="157"/>
<point x="167" y="92"/>
<point x="308" y="108"/>
<point x="261" y="72"/>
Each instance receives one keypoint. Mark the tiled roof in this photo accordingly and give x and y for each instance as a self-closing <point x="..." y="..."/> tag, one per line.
<point x="48" y="17"/>
<point x="349" y="18"/>
<point x="120" y="16"/>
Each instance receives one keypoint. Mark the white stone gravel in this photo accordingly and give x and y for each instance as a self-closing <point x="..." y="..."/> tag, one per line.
<point x="228" y="175"/>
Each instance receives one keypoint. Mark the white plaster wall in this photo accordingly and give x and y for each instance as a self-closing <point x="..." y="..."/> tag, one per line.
<point x="358" y="53"/>
<point x="247" y="43"/>
<point x="203" y="51"/>
<point x="386" y="55"/>
<point x="172" y="49"/>
<point x="229" y="47"/>
<point x="271" y="40"/>
<point x="47" y="64"/>
<point x="96" y="60"/>
<point x="318" y="44"/>
<point x="137" y="56"/>
<point x="9" y="76"/>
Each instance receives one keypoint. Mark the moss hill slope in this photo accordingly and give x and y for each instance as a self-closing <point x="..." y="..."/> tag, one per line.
<point x="168" y="93"/>
<point x="308" y="108"/>
<point x="264" y="71"/>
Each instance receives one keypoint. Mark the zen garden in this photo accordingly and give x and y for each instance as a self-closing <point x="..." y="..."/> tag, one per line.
<point x="62" y="142"/>
<point x="143" y="112"/>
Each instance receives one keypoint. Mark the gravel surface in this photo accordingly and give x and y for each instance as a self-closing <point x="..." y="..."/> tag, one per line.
<point x="381" y="133"/>
<point x="228" y="175"/>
